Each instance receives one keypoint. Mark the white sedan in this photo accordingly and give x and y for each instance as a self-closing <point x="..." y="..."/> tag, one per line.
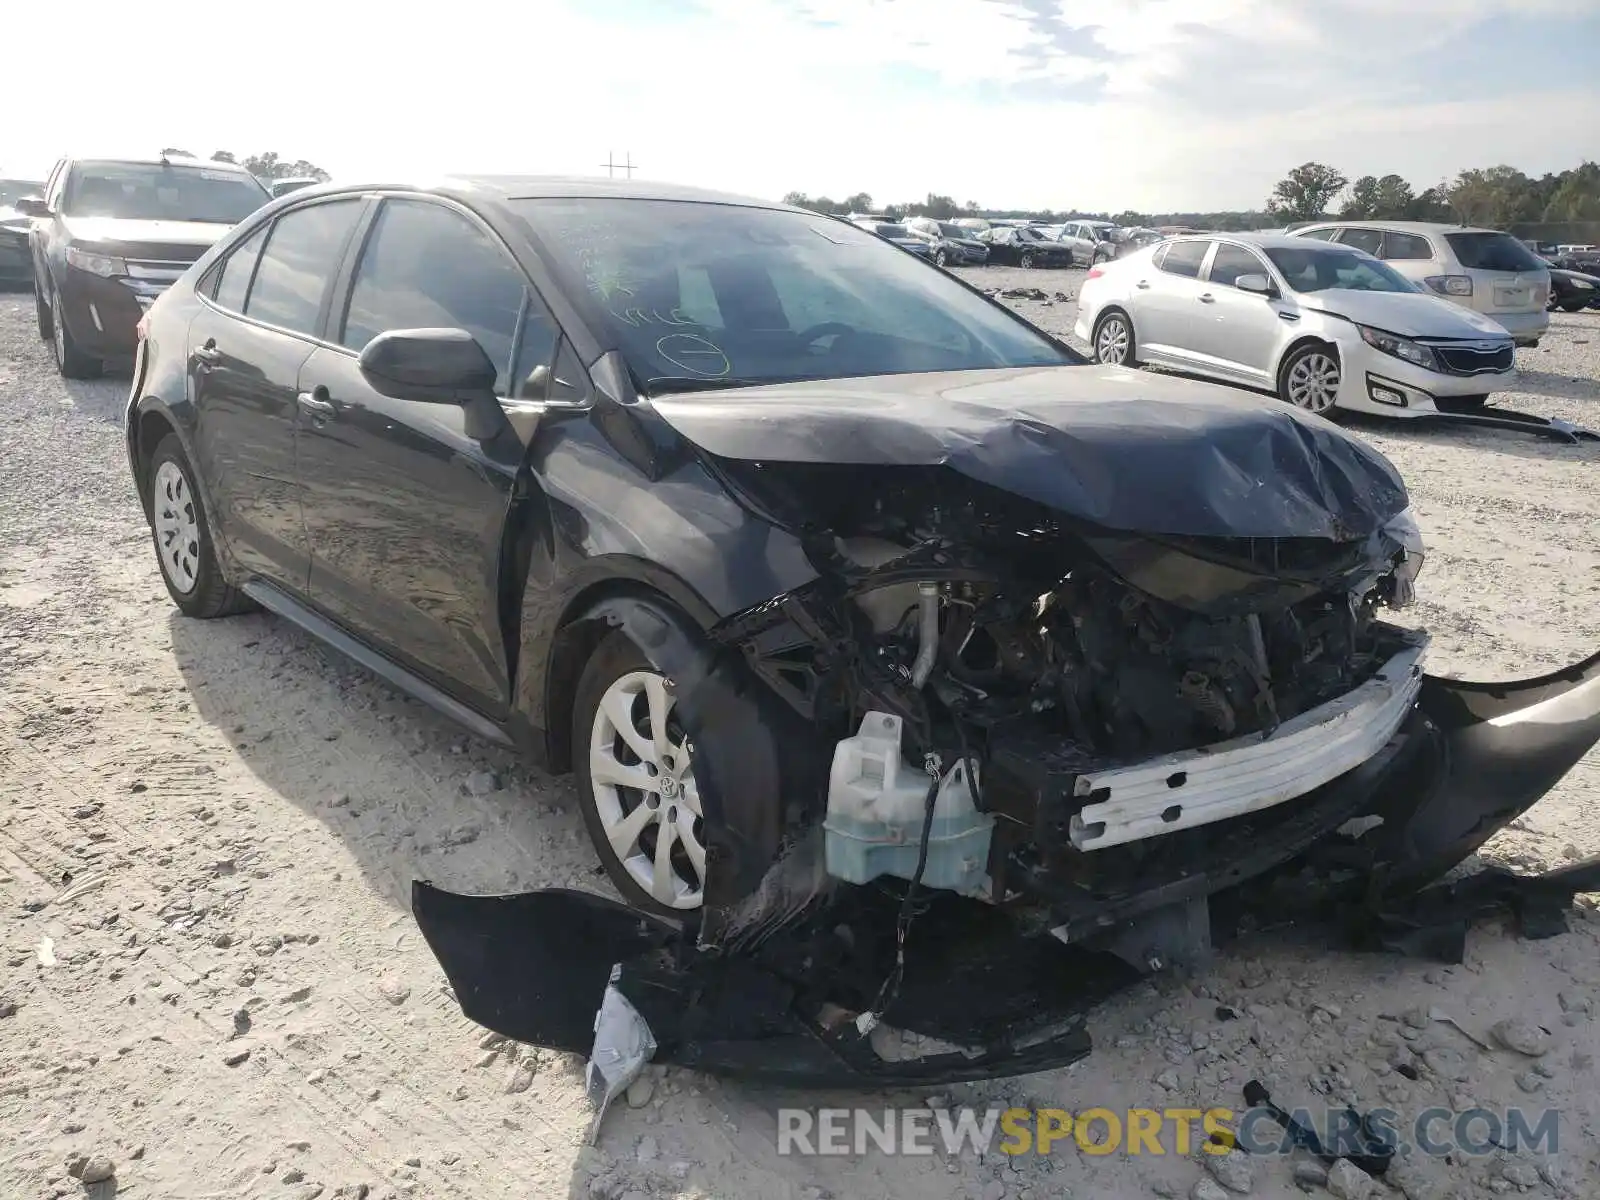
<point x="1321" y="325"/>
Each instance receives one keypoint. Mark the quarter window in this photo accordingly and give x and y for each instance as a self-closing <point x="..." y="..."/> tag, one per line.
<point x="1184" y="258"/>
<point x="428" y="267"/>
<point x="303" y="250"/>
<point x="1233" y="261"/>
<point x="233" y="280"/>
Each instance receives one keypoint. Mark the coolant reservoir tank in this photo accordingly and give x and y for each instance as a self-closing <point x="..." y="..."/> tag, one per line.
<point x="876" y="808"/>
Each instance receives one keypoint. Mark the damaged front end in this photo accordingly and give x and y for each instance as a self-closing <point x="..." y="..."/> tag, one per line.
<point x="991" y="764"/>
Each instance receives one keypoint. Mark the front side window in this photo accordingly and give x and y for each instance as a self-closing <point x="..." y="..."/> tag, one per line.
<point x="695" y="293"/>
<point x="302" y="252"/>
<point x="233" y="281"/>
<point x="1321" y="268"/>
<point x="1230" y="262"/>
<point x="153" y="192"/>
<point x="1370" y="240"/>
<point x="1184" y="258"/>
<point x="1492" y="252"/>
<point x="426" y="266"/>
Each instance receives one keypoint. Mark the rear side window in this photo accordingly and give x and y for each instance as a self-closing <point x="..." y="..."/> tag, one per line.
<point x="1322" y="235"/>
<point x="1370" y="240"/>
<point x="1184" y="258"/>
<point x="303" y="251"/>
<point x="1406" y="246"/>
<point x="1492" y="252"/>
<point x="426" y="266"/>
<point x="233" y="281"/>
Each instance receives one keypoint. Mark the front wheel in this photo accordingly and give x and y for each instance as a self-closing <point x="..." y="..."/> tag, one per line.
<point x="182" y="536"/>
<point x="636" y="784"/>
<point x="71" y="361"/>
<point x="1027" y="261"/>
<point x="1113" y="340"/>
<point x="1310" y="379"/>
<point x="942" y="258"/>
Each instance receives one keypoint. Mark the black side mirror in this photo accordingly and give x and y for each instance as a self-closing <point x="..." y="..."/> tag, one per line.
<point x="436" y="366"/>
<point x="33" y="206"/>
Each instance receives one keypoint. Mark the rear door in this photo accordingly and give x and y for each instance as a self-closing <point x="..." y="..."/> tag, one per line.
<point x="403" y="510"/>
<point x="1412" y="255"/>
<point x="258" y="316"/>
<point x="1165" y="298"/>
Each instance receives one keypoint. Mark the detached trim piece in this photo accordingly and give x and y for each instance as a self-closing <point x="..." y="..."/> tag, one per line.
<point x="1248" y="774"/>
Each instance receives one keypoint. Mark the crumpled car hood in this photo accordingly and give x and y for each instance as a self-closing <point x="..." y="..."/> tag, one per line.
<point x="1410" y="314"/>
<point x="1125" y="450"/>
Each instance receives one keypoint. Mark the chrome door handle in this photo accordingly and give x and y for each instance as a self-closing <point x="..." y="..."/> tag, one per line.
<point x="209" y="352"/>
<point x="1141" y="284"/>
<point x="1208" y="298"/>
<point x="316" y="403"/>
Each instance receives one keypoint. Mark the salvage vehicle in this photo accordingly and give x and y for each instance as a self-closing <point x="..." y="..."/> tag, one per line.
<point x="1573" y="291"/>
<point x="899" y="235"/>
<point x="901" y="656"/>
<point x="1089" y="241"/>
<point x="1021" y="246"/>
<point x="110" y="235"/>
<point x="952" y="245"/>
<point x="1320" y="325"/>
<point x="1480" y="269"/>
<point x="16" y="261"/>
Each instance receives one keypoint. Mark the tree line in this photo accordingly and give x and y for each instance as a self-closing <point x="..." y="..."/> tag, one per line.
<point x="1498" y="197"/>
<point x="264" y="166"/>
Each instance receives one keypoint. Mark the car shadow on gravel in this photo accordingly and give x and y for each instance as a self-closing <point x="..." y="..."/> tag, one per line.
<point x="1512" y="442"/>
<point x="407" y="792"/>
<point x="1562" y="387"/>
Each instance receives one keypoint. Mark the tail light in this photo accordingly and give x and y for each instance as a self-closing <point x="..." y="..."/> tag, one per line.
<point x="1450" y="285"/>
<point x="1096" y="272"/>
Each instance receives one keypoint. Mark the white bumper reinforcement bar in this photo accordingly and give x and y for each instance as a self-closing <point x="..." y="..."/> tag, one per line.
<point x="1196" y="787"/>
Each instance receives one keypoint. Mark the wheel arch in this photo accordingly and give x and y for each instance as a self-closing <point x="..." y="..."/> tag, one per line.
<point x="1300" y="343"/>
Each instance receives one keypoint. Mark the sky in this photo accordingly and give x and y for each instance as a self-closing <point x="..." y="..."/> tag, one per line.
<point x="1096" y="105"/>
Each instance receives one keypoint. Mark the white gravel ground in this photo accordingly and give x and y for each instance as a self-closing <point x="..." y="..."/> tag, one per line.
<point x="208" y="974"/>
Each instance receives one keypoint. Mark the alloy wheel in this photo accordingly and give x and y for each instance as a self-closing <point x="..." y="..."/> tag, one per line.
<point x="640" y="767"/>
<point x="1313" y="382"/>
<point x="1111" y="343"/>
<point x="177" y="526"/>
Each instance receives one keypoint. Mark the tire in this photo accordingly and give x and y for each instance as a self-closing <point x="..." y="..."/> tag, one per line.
<point x="181" y="535"/>
<point x="618" y="678"/>
<point x="942" y="258"/>
<point x="41" y="311"/>
<point x="71" y="361"/>
<point x="1114" y="342"/>
<point x="1027" y="262"/>
<point x="1306" y="374"/>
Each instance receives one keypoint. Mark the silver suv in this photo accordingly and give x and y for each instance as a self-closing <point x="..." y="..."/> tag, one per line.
<point x="1481" y="269"/>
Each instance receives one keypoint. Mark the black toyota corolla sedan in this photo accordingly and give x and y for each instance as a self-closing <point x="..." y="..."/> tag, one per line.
<point x="828" y="577"/>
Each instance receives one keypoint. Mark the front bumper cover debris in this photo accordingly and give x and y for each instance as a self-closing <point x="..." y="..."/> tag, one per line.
<point x="536" y="967"/>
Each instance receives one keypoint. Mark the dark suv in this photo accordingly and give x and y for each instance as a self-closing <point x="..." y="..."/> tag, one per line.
<point x="112" y="235"/>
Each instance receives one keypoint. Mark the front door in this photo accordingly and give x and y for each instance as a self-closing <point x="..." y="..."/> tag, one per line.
<point x="1237" y="331"/>
<point x="404" y="511"/>
<point x="246" y="348"/>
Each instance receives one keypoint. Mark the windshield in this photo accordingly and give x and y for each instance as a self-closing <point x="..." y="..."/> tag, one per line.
<point x="1321" y="268"/>
<point x="954" y="231"/>
<point x="151" y="192"/>
<point x="1029" y="234"/>
<point x="1102" y="233"/>
<point x="892" y="231"/>
<point x="1492" y="252"/>
<point x="703" y="295"/>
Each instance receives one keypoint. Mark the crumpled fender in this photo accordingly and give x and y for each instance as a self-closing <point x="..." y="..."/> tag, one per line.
<point x="1494" y="750"/>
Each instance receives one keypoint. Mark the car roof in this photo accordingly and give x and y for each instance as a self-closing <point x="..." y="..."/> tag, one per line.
<point x="1402" y="226"/>
<point x="155" y="160"/>
<point x="1265" y="241"/>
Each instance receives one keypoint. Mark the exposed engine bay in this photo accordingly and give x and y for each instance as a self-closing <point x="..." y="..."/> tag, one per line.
<point x="972" y="659"/>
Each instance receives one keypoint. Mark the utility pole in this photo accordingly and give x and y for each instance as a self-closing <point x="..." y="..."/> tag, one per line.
<point x="612" y="166"/>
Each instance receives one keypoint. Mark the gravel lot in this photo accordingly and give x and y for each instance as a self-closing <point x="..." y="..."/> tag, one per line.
<point x="208" y="973"/>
